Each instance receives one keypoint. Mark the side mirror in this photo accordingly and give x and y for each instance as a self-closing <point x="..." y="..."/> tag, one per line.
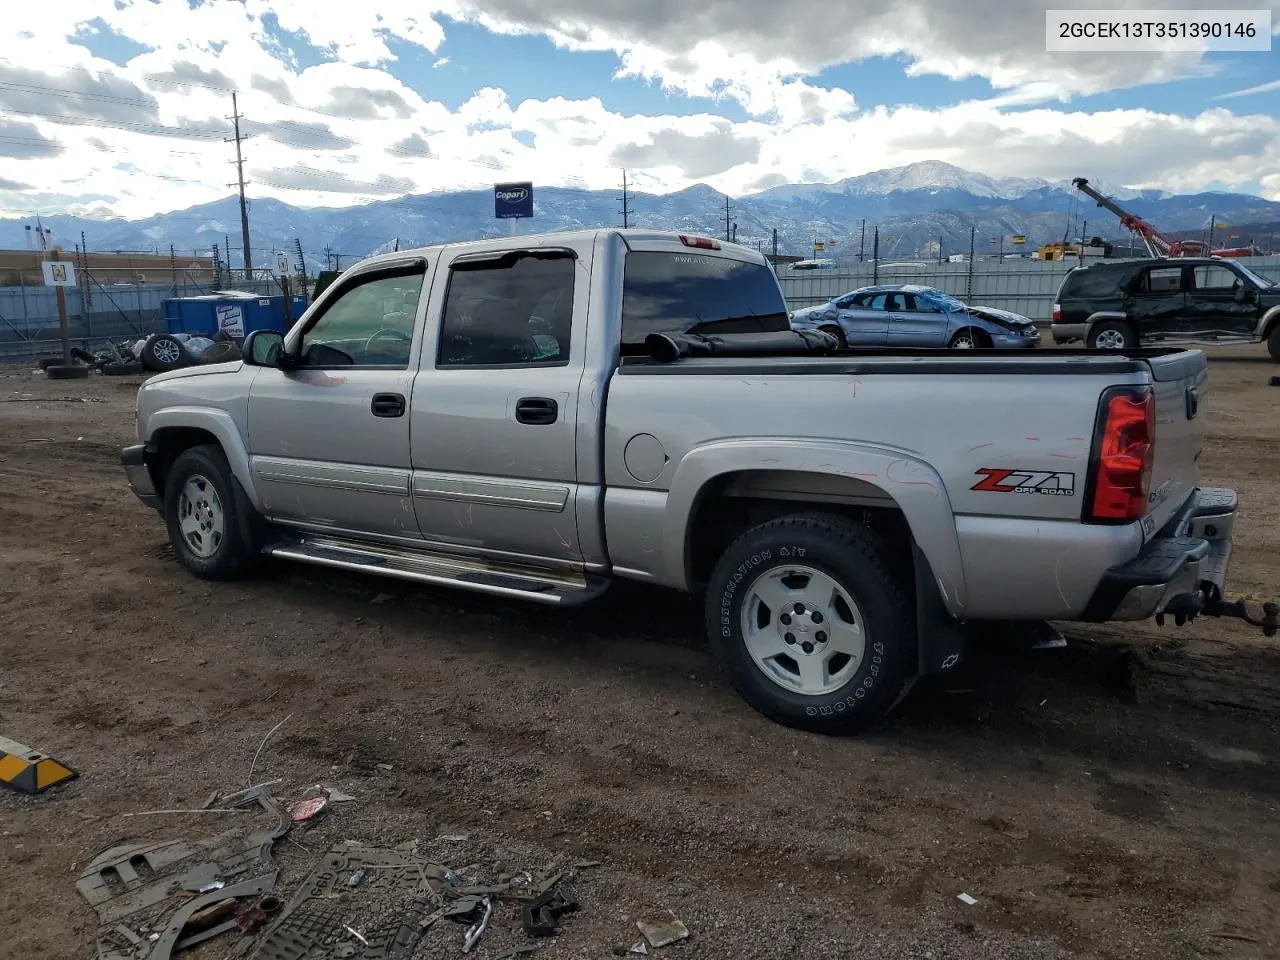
<point x="263" y="348"/>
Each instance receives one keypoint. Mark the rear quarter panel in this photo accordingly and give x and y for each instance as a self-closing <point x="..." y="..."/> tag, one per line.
<point x="1011" y="451"/>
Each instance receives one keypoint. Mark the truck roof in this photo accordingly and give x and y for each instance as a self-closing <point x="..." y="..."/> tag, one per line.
<point x="631" y="236"/>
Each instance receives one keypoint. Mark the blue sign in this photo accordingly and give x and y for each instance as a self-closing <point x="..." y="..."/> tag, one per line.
<point x="512" y="200"/>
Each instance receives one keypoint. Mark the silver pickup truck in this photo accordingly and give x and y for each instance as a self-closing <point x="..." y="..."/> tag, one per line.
<point x="537" y="417"/>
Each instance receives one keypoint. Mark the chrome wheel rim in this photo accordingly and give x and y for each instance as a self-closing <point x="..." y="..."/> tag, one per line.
<point x="803" y="630"/>
<point x="166" y="351"/>
<point x="962" y="343"/>
<point x="201" y="519"/>
<point x="1110" y="340"/>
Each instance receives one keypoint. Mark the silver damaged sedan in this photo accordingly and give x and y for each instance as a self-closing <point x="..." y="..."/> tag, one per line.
<point x="907" y="315"/>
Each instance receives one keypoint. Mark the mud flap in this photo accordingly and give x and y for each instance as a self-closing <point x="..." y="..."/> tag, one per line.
<point x="941" y="637"/>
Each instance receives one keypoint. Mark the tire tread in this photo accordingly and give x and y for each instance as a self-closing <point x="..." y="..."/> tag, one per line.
<point x="852" y="537"/>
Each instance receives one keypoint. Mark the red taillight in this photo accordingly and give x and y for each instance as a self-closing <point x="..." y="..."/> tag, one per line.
<point x="1057" y="312"/>
<point x="1123" y="454"/>
<point x="702" y="243"/>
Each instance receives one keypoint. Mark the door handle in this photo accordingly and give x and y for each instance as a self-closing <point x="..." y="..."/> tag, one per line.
<point x="895" y="317"/>
<point x="537" y="410"/>
<point x="387" y="405"/>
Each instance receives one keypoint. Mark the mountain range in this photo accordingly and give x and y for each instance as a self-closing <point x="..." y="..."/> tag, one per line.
<point x="914" y="208"/>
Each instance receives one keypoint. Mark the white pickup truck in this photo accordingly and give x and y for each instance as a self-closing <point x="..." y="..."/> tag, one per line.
<point x="537" y="417"/>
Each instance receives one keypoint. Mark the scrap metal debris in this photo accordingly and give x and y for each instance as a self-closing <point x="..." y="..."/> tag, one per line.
<point x="399" y="898"/>
<point x="541" y="916"/>
<point x="155" y="898"/>
<point x="304" y="810"/>
<point x="475" y="931"/>
<point x="662" y="931"/>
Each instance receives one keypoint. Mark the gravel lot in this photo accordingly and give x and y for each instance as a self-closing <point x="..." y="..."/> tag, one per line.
<point x="1114" y="799"/>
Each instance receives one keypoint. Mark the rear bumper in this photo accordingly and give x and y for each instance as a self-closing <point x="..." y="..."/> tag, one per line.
<point x="1193" y="547"/>
<point x="1067" y="332"/>
<point x="138" y="473"/>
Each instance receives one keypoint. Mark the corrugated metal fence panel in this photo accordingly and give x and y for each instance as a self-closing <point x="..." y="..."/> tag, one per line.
<point x="1023" y="286"/>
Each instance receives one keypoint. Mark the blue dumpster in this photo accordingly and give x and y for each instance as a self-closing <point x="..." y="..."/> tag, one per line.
<point x="234" y="311"/>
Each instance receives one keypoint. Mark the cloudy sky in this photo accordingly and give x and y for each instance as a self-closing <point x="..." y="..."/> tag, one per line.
<point x="120" y="106"/>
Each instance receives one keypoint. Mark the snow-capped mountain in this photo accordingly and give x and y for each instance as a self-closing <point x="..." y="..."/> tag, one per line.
<point x="915" y="207"/>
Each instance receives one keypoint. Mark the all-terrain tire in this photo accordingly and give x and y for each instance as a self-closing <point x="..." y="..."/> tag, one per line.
<point x="1118" y="335"/>
<point x="235" y="553"/>
<point x="124" y="368"/>
<point x="162" y="353"/>
<point x="855" y="558"/>
<point x="220" y="352"/>
<point x="1273" y="343"/>
<point x="58" y="371"/>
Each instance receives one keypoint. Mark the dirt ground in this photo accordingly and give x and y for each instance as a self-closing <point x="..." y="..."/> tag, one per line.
<point x="1117" y="798"/>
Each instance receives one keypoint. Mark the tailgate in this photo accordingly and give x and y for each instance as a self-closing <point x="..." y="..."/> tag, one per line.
<point x="1181" y="389"/>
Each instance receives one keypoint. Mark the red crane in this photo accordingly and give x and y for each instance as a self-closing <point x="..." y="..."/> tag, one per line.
<point x="1158" y="245"/>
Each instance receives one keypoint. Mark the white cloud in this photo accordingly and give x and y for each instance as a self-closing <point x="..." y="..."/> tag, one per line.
<point x="1250" y="91"/>
<point x="350" y="129"/>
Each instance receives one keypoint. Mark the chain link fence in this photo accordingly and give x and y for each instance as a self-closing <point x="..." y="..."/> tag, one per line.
<point x="99" y="308"/>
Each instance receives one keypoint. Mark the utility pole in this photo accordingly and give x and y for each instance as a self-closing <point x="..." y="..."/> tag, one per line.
<point x="302" y="263"/>
<point x="1084" y="228"/>
<point x="875" y="257"/>
<point x="244" y="208"/>
<point x="775" y="243"/>
<point x="626" y="202"/>
<point x="940" y="250"/>
<point x="1208" y="247"/>
<point x="728" y="219"/>
<point x="968" y="283"/>
<point x="226" y="247"/>
<point x="86" y="291"/>
<point x="862" y="241"/>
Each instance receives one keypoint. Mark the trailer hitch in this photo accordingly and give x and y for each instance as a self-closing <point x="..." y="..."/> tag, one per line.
<point x="1207" y="601"/>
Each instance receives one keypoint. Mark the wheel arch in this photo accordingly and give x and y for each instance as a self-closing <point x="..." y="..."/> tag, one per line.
<point x="789" y="474"/>
<point x="173" y="430"/>
<point x="1269" y="323"/>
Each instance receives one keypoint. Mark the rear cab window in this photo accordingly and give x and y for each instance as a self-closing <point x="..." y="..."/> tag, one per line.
<point x="676" y="292"/>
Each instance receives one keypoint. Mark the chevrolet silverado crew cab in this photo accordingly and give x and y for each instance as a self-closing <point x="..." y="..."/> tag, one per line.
<point x="538" y="417"/>
<point x="1117" y="305"/>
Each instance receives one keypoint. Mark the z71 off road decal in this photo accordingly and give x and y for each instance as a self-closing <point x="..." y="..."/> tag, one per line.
<point x="1049" y="483"/>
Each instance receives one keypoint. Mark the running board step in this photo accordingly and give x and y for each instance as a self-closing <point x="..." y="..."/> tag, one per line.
<point x="505" y="580"/>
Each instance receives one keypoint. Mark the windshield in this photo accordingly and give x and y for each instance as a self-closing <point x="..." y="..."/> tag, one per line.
<point x="695" y="293"/>
<point x="1256" y="278"/>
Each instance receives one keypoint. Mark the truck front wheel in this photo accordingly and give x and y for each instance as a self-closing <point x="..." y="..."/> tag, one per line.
<point x="210" y="520"/>
<point x="809" y="625"/>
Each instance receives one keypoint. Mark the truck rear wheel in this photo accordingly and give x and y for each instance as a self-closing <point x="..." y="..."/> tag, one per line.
<point x="211" y="522"/>
<point x="809" y="625"/>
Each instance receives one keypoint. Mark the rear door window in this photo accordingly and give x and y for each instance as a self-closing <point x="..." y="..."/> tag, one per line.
<point x="695" y="293"/>
<point x="1162" y="280"/>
